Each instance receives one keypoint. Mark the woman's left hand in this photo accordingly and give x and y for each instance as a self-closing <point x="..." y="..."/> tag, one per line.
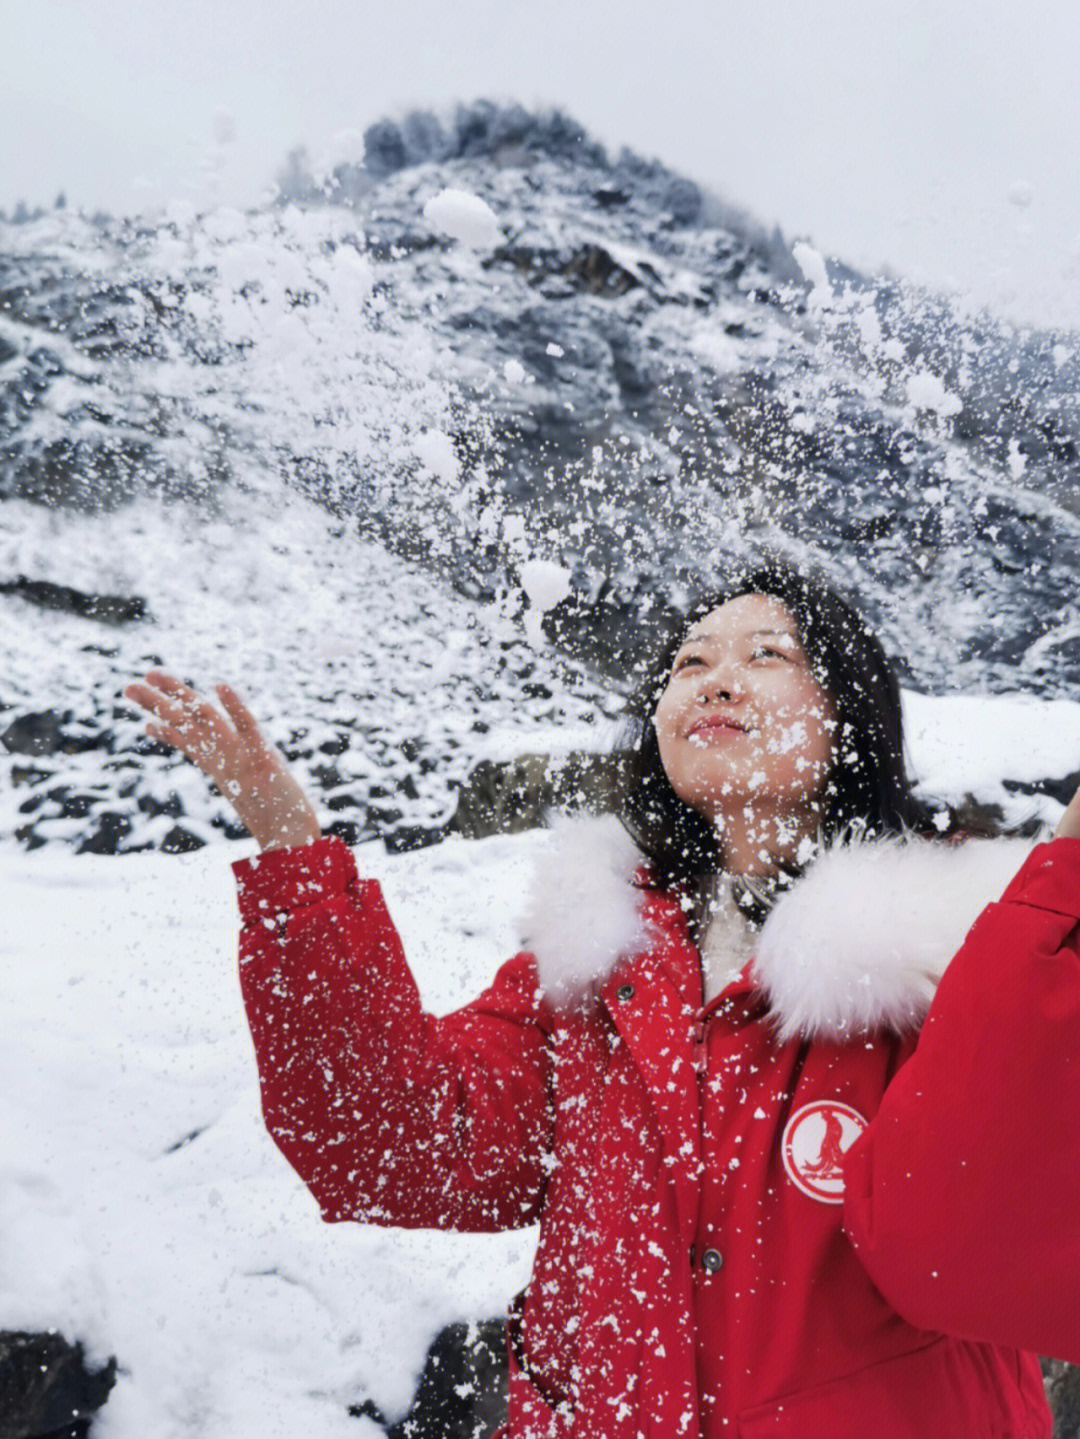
<point x="1069" y="823"/>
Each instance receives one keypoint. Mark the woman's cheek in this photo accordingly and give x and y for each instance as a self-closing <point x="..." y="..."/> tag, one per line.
<point x="790" y="738"/>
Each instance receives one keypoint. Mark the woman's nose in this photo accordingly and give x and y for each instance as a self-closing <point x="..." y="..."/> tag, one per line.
<point x="720" y="681"/>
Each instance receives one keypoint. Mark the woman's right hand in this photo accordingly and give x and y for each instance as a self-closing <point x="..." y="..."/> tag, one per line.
<point x="230" y="750"/>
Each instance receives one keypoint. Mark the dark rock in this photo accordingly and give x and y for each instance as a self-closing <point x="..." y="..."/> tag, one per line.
<point x="73" y="806"/>
<point x="342" y="801"/>
<point x="348" y="830"/>
<point x="682" y="200"/>
<point x="424" y="136"/>
<point x="462" y="1391"/>
<point x="46" y="1387"/>
<point x="183" y="1141"/>
<point x="385" y="150"/>
<point x="109" y="835"/>
<point x="1062" y="1382"/>
<point x="109" y="609"/>
<point x="1062" y="789"/>
<point x="512" y="796"/>
<point x="336" y="745"/>
<point x="404" y="838"/>
<point x="180" y="841"/>
<point x="608" y="196"/>
<point x="327" y="775"/>
<point x="27" y="774"/>
<point x="150" y="804"/>
<point x="35" y="734"/>
<point x="53" y="732"/>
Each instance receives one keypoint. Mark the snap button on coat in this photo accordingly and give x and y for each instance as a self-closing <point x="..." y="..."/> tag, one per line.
<point x="624" y="992"/>
<point x="712" y="1260"/>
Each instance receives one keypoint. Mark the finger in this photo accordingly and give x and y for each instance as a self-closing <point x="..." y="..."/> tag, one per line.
<point x="246" y="724"/>
<point x="176" y="689"/>
<point x="158" y="690"/>
<point x="198" y="747"/>
<point x="141" y="694"/>
<point x="168" y="683"/>
<point x="167" y="734"/>
<point x="175" y="711"/>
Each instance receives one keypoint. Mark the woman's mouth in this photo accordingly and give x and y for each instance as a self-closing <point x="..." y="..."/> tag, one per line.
<point x="716" y="724"/>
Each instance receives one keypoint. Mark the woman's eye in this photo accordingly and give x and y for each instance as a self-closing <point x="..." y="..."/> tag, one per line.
<point x="766" y="652"/>
<point x="688" y="660"/>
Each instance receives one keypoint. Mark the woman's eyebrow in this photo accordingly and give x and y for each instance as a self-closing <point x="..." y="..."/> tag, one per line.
<point x="747" y="635"/>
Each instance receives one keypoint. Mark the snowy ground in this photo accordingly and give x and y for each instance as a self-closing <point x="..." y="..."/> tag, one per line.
<point x="201" y="1263"/>
<point x="144" y="1209"/>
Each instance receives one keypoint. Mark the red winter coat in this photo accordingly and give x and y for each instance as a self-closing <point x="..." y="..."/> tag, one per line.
<point x="784" y="1217"/>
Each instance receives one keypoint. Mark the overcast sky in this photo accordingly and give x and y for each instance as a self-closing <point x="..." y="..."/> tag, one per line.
<point x="941" y="137"/>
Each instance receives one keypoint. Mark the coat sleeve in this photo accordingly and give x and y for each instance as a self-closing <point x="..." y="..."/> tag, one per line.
<point x="962" y="1196"/>
<point x="388" y="1114"/>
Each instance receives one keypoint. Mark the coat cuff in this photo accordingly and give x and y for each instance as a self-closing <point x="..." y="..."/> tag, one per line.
<point x="1049" y="878"/>
<point x="284" y="880"/>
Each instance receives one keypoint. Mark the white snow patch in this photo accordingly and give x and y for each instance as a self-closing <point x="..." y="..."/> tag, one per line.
<point x="718" y="350"/>
<point x="436" y="453"/>
<point x="143" y="1207"/>
<point x="869" y="328"/>
<point x="969" y="744"/>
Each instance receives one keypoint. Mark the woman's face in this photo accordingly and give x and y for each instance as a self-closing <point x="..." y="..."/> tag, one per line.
<point x="744" y="727"/>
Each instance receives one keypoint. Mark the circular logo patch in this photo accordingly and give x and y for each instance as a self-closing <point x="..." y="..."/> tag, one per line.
<point x="816" y="1138"/>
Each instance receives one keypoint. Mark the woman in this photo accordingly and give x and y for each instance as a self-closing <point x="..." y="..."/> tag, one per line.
<point x="765" y="1208"/>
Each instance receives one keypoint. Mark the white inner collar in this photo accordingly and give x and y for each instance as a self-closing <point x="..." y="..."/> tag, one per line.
<point x="727" y="938"/>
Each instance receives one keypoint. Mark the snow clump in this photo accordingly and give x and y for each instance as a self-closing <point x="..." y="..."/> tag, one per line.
<point x="927" y="392"/>
<point x="545" y="583"/>
<point x="812" y="264"/>
<point x="465" y="218"/>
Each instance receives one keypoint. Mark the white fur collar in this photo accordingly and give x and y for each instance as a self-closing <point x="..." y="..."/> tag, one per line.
<point x="858" y="944"/>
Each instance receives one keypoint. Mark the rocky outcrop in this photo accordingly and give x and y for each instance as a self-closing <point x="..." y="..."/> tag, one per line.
<point x="109" y="609"/>
<point x="1063" y="1391"/>
<point x="516" y="795"/>
<point x="462" y="1390"/>
<point x="47" y="1390"/>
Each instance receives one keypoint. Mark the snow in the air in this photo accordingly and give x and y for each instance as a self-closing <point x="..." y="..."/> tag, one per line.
<point x="436" y="452"/>
<point x="812" y="264"/>
<point x="546" y="585"/>
<point x="926" y="391"/>
<point x="465" y="218"/>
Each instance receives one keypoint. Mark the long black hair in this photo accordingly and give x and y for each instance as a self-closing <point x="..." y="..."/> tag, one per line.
<point x="868" y="791"/>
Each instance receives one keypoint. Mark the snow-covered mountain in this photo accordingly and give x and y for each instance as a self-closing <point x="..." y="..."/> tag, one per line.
<point x="319" y="441"/>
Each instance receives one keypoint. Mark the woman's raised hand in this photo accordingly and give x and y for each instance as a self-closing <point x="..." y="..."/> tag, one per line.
<point x="1069" y="823"/>
<point x="231" y="750"/>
